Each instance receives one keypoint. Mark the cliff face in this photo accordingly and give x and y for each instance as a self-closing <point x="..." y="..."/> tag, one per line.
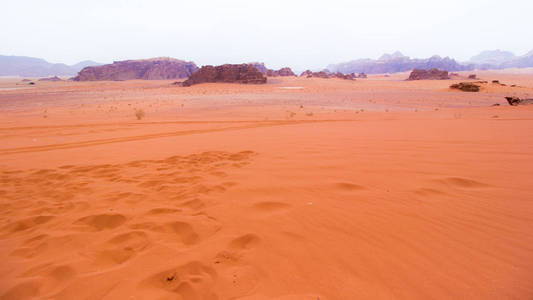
<point x="244" y="73"/>
<point x="147" y="69"/>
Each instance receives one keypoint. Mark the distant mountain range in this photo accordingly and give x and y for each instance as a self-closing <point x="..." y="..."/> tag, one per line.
<point x="397" y="62"/>
<point x="36" y="67"/>
<point x="497" y="59"/>
<point x="387" y="63"/>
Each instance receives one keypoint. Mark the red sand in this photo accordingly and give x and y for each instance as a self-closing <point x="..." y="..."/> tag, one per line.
<point x="373" y="189"/>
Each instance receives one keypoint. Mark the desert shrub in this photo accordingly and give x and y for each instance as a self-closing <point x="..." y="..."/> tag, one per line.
<point x="139" y="113"/>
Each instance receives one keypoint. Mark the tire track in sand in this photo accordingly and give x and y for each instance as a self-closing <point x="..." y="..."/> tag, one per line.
<point x="256" y="124"/>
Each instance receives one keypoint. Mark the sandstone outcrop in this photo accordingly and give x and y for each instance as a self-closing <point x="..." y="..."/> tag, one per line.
<point x="147" y="69"/>
<point x="243" y="73"/>
<point x="431" y="74"/>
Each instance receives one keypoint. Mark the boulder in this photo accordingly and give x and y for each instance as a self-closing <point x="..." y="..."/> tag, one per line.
<point x="362" y="75"/>
<point x="472" y="76"/>
<point x="147" y="69"/>
<point x="243" y="73"/>
<point x="466" y="86"/>
<point x="431" y="74"/>
<point x="514" y="101"/>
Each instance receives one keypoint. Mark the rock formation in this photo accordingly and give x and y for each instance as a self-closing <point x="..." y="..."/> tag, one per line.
<point x="280" y="72"/>
<point x="432" y="74"/>
<point x="244" y="73"/>
<point x="326" y="74"/>
<point x="466" y="86"/>
<point x="514" y="101"/>
<point x="472" y="76"/>
<point x="272" y="73"/>
<point x="306" y="73"/>
<point x="148" y="69"/>
<point x="55" y="78"/>
<point x="260" y="67"/>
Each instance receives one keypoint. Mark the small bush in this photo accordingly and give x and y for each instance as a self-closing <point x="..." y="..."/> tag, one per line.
<point x="139" y="113"/>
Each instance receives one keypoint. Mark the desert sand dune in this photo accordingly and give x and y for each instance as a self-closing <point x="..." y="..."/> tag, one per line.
<point x="372" y="189"/>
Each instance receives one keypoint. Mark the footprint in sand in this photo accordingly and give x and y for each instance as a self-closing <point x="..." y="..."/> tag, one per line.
<point x="102" y="222"/>
<point x="25" y="224"/>
<point x="428" y="192"/>
<point x="244" y="242"/>
<point x="346" y="186"/>
<point x="192" y="280"/>
<point x="183" y="231"/>
<point x="25" y="290"/>
<point x="463" y="182"/>
<point x="51" y="276"/>
<point x="163" y="211"/>
<point x="268" y="207"/>
<point x="121" y="248"/>
<point x="194" y="204"/>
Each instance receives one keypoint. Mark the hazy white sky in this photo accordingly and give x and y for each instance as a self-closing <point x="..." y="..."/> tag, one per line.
<point x="300" y="34"/>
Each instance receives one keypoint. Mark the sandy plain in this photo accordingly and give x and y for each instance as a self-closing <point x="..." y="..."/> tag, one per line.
<point x="298" y="189"/>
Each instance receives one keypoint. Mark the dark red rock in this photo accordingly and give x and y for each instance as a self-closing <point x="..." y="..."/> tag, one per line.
<point x="148" y="69"/>
<point x="432" y="74"/>
<point x="472" y="76"/>
<point x="466" y="86"/>
<point x="515" y="101"/>
<point x="244" y="73"/>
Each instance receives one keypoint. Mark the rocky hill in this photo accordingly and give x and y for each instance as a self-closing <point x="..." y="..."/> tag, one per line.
<point x="148" y="69"/>
<point x="243" y="73"/>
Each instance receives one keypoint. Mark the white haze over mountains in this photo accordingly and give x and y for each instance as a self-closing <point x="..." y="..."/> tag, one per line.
<point x="299" y="34"/>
